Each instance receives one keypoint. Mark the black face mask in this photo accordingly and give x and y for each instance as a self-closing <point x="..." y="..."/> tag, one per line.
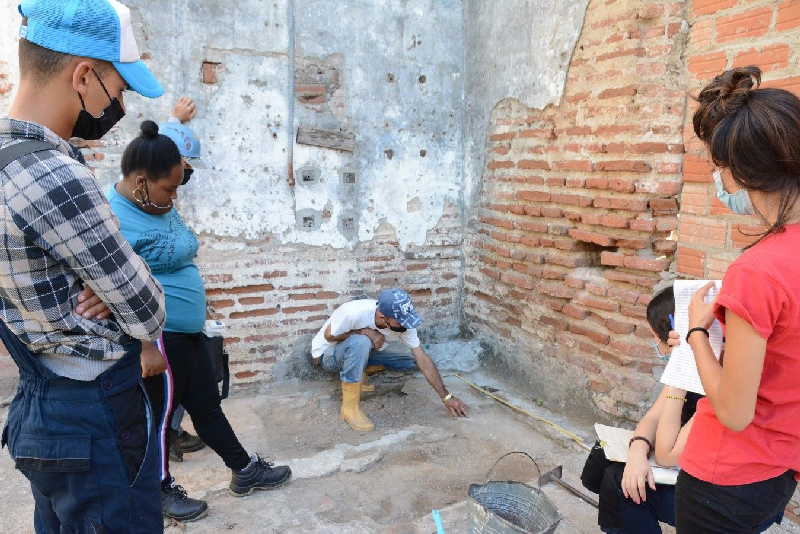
<point x="187" y="173"/>
<point x="92" y="128"/>
<point x="399" y="329"/>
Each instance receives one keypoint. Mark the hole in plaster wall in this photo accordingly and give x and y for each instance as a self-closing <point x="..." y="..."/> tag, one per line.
<point x="389" y="153"/>
<point x="348" y="224"/>
<point x="348" y="177"/>
<point x="423" y="79"/>
<point x="308" y="220"/>
<point x="390" y="78"/>
<point x="423" y="153"/>
<point x="308" y="175"/>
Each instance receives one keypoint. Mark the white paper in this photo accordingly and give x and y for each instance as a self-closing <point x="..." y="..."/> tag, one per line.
<point x="615" y="445"/>
<point x="681" y="370"/>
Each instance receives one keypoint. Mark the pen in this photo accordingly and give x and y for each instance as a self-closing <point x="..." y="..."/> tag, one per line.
<point x="671" y="322"/>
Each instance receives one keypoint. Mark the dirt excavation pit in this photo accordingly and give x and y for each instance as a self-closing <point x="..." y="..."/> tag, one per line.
<point x="417" y="460"/>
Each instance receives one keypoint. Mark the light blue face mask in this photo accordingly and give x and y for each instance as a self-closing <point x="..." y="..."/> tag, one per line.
<point x="657" y="350"/>
<point x="738" y="202"/>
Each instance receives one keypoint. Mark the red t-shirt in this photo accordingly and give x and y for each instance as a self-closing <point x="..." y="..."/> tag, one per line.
<point x="762" y="287"/>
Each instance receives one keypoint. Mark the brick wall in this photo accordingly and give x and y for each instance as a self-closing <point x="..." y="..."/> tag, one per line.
<point x="726" y="34"/>
<point x="275" y="297"/>
<point x="577" y="213"/>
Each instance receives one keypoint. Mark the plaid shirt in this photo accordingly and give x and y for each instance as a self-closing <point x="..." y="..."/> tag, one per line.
<point x="58" y="234"/>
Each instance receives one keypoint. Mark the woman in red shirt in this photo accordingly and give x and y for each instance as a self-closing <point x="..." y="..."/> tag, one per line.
<point x="742" y="456"/>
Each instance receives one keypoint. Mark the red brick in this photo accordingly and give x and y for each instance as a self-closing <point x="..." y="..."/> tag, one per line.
<point x="707" y="7"/>
<point x="633" y="244"/>
<point x="596" y="183"/>
<point x="570" y="310"/>
<point x="615" y="220"/>
<point x="253" y="313"/>
<point x="746" y="25"/>
<point x="323" y="295"/>
<point x="534" y="196"/>
<point x="530" y="164"/>
<point x="665" y="246"/>
<point x="209" y="72"/>
<point x="702" y="231"/>
<point x="622" y="185"/>
<point x="691" y="262"/>
<point x="572" y="200"/>
<point x="621" y="203"/>
<point x="558" y="324"/>
<point x="612" y="258"/>
<point x="697" y="169"/>
<point x="500" y="164"/>
<point x="706" y="66"/>
<point x="523" y="282"/>
<point x="788" y="15"/>
<point x="241" y="289"/>
<point x="507" y="136"/>
<point x="624" y="166"/>
<point x="532" y="226"/>
<point x="251" y="300"/>
<point x="573" y="165"/>
<point x="769" y="58"/>
<point x="582" y="330"/>
<point x="599" y="303"/>
<point x="664" y="206"/>
<point x="646" y="264"/>
<point x="619" y="327"/>
<point x="297" y="309"/>
<point x="629" y="90"/>
<point x="623" y="295"/>
<point x="558" y="290"/>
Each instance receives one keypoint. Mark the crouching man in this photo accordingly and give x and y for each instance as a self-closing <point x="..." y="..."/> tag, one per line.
<point x="356" y="335"/>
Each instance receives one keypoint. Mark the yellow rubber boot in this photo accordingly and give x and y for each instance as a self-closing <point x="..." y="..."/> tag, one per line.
<point x="374" y="369"/>
<point x="366" y="387"/>
<point x="351" y="409"/>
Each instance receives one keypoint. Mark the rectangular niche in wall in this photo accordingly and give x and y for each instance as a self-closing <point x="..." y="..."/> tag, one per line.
<point x="348" y="224"/>
<point x="307" y="175"/>
<point x="348" y="177"/>
<point x="308" y="220"/>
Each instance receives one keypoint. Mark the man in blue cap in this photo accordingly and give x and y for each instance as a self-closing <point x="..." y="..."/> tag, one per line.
<point x="74" y="298"/>
<point x="356" y="335"/>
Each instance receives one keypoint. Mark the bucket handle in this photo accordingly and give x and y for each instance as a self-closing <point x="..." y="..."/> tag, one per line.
<point x="538" y="469"/>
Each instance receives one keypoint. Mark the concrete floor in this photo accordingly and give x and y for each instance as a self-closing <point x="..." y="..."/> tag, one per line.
<point x="387" y="481"/>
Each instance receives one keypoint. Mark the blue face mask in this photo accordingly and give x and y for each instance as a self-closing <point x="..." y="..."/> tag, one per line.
<point x="738" y="202"/>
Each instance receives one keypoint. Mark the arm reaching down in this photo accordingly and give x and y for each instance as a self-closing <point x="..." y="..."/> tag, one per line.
<point x="455" y="406"/>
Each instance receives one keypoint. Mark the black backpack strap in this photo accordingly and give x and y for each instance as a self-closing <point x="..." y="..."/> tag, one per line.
<point x="14" y="152"/>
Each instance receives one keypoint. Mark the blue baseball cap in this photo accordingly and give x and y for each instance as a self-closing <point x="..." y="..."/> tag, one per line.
<point x="188" y="143"/>
<point x="98" y="29"/>
<point x="396" y="303"/>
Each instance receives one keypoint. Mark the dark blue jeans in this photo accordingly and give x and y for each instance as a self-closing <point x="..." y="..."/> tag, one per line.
<point x="88" y="448"/>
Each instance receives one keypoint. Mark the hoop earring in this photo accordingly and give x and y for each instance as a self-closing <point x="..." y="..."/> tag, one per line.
<point x="140" y="195"/>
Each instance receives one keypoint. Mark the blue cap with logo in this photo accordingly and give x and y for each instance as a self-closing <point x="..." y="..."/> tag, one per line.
<point x="188" y="143"/>
<point x="98" y="29"/>
<point x="396" y="303"/>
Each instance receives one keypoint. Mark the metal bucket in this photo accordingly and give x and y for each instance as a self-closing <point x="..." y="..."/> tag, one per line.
<point x="511" y="507"/>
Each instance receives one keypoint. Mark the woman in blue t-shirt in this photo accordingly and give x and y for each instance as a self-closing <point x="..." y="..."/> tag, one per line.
<point x="153" y="170"/>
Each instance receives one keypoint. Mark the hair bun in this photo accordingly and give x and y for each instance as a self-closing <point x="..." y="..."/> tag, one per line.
<point x="724" y="96"/>
<point x="149" y="129"/>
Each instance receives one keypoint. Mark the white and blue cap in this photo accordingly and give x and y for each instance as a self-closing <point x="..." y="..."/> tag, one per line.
<point x="187" y="142"/>
<point x="98" y="29"/>
<point x="396" y="303"/>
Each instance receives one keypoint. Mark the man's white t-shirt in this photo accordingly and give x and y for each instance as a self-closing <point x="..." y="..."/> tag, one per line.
<point x="355" y="315"/>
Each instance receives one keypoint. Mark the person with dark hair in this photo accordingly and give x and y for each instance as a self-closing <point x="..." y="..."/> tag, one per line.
<point x="153" y="170"/>
<point x="75" y="300"/>
<point x="740" y="466"/>
<point x="630" y="500"/>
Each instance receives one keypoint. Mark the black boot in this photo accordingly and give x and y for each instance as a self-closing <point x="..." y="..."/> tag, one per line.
<point x="258" y="475"/>
<point x="175" y="452"/>
<point x="188" y="442"/>
<point x="177" y="505"/>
